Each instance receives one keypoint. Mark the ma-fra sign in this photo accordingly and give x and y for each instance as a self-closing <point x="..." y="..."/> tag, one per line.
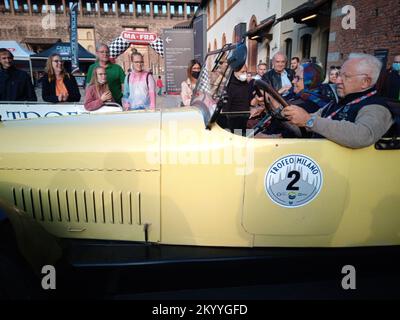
<point x="138" y="37"/>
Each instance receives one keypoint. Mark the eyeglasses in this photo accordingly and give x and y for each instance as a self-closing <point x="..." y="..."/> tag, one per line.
<point x="346" y="76"/>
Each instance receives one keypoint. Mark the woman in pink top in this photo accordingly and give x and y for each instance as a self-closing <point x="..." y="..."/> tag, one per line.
<point x="187" y="86"/>
<point x="97" y="93"/>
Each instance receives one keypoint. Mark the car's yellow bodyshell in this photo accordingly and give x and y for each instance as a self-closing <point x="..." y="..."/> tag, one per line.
<point x="164" y="178"/>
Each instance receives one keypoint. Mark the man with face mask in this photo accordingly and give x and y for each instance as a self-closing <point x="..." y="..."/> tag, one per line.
<point x="238" y="105"/>
<point x="391" y="81"/>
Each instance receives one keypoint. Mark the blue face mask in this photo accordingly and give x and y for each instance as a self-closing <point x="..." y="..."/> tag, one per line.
<point x="396" y="66"/>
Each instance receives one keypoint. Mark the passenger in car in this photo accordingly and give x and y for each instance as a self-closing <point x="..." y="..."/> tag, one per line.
<point x="98" y="92"/>
<point x="361" y="118"/>
<point x="58" y="85"/>
<point x="309" y="94"/>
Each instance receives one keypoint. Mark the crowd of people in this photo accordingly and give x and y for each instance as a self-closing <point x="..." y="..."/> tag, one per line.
<point x="105" y="82"/>
<point x="349" y="106"/>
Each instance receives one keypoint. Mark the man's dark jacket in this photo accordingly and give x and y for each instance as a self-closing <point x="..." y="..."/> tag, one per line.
<point x="16" y="85"/>
<point x="49" y="89"/>
<point x="274" y="78"/>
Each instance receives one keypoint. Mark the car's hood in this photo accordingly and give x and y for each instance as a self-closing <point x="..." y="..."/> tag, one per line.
<point x="86" y="141"/>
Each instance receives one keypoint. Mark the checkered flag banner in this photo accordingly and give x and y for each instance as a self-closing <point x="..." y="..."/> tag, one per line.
<point x="118" y="46"/>
<point x="158" y="46"/>
<point x="204" y="81"/>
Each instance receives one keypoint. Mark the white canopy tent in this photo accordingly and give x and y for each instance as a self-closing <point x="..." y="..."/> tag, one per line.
<point x="19" y="52"/>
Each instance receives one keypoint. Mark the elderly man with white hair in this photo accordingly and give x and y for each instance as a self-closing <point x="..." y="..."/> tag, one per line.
<point x="279" y="76"/>
<point x="361" y="118"/>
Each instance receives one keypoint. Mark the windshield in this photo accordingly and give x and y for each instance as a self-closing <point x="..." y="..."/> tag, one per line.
<point x="212" y="81"/>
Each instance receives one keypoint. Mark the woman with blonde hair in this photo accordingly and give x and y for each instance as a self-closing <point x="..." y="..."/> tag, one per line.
<point x="98" y="92"/>
<point x="58" y="85"/>
<point x="332" y="75"/>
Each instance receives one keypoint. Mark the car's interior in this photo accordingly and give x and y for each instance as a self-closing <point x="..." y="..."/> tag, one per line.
<point x="210" y="94"/>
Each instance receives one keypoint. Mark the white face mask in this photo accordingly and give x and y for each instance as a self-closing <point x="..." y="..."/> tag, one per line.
<point x="241" y="77"/>
<point x="101" y="81"/>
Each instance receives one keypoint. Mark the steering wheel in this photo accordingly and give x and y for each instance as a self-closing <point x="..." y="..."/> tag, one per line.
<point x="272" y="113"/>
<point x="261" y="84"/>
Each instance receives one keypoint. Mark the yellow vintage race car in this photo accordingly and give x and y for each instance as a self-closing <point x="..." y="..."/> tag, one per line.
<point x="163" y="179"/>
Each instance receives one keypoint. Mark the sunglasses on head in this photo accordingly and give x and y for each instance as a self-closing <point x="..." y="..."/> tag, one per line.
<point x="335" y="67"/>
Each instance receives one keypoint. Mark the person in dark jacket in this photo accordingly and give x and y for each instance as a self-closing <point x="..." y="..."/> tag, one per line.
<point x="238" y="104"/>
<point x="15" y="85"/>
<point x="389" y="83"/>
<point x="57" y="84"/>
<point x="280" y="77"/>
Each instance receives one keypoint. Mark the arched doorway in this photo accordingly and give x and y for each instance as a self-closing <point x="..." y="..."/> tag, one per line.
<point x="252" y="47"/>
<point x="306" y="46"/>
<point x="223" y="39"/>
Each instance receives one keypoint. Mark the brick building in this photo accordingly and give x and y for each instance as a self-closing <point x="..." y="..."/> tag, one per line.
<point x="40" y="23"/>
<point x="345" y="26"/>
<point x="377" y="27"/>
<point x="309" y="29"/>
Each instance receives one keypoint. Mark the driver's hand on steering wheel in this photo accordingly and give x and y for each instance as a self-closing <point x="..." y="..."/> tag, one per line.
<point x="296" y="115"/>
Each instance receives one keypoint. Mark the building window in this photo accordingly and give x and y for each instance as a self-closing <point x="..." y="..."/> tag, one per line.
<point x="306" y="46"/>
<point x="223" y="39"/>
<point x="288" y="48"/>
<point x="214" y="10"/>
<point x="252" y="48"/>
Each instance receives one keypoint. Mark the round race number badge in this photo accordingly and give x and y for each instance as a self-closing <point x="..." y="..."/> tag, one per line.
<point x="293" y="181"/>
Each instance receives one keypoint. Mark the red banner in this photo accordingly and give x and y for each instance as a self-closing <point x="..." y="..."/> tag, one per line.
<point x="138" y="37"/>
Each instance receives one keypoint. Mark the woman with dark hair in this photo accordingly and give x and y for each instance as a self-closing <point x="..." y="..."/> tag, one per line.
<point x="310" y="94"/>
<point x="58" y="85"/>
<point x="187" y="86"/>
<point x="98" y="92"/>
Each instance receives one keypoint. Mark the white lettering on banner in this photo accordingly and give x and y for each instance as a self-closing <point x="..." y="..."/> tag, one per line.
<point x="15" y="111"/>
<point x="138" y="37"/>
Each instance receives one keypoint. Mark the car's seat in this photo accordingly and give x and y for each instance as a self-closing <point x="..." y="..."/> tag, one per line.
<point x="391" y="139"/>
